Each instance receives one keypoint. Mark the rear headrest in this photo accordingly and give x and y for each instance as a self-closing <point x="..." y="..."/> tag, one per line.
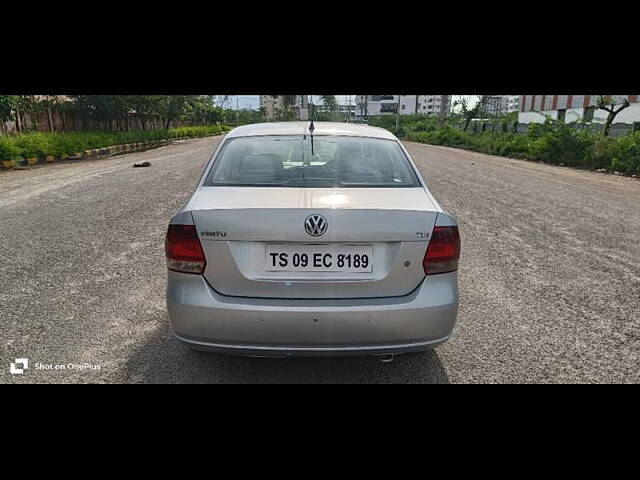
<point x="264" y="159"/>
<point x="349" y="150"/>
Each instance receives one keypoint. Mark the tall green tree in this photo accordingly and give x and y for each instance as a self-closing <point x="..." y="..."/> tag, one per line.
<point x="147" y="106"/>
<point x="222" y="100"/>
<point x="288" y="102"/>
<point x="104" y="108"/>
<point x="202" y="110"/>
<point x="24" y="104"/>
<point x="174" y="107"/>
<point x="608" y="104"/>
<point x="7" y="107"/>
<point x="469" y="109"/>
<point x="330" y="102"/>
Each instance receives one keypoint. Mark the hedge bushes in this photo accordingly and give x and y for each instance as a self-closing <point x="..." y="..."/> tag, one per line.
<point x="37" y="145"/>
<point x="8" y="149"/>
<point x="556" y="144"/>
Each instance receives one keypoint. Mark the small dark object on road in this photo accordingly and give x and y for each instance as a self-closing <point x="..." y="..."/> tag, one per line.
<point x="143" y="164"/>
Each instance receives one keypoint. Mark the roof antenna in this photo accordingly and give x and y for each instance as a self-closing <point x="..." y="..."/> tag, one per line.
<point x="311" y="126"/>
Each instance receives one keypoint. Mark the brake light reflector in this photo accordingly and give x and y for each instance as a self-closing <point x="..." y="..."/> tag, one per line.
<point x="443" y="251"/>
<point x="183" y="250"/>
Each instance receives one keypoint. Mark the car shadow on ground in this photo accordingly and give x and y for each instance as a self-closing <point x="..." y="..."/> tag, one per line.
<point x="163" y="359"/>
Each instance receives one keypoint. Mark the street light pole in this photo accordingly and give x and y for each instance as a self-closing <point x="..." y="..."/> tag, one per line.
<point x="444" y="100"/>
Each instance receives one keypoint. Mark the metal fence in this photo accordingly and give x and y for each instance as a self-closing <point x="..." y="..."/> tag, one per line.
<point x="617" y="129"/>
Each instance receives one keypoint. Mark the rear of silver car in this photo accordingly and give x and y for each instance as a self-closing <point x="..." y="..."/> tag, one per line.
<point x="264" y="261"/>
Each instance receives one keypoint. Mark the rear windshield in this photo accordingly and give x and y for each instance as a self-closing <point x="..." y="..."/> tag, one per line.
<point x="292" y="161"/>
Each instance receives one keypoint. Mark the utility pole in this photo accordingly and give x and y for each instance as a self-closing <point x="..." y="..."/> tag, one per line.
<point x="398" y="113"/>
<point x="444" y="101"/>
<point x="364" y="109"/>
<point x="348" y="107"/>
<point x="237" y="111"/>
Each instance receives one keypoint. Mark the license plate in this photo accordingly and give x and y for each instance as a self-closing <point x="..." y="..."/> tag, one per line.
<point x="319" y="258"/>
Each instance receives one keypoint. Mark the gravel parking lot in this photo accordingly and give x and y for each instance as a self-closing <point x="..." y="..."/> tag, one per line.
<point x="549" y="276"/>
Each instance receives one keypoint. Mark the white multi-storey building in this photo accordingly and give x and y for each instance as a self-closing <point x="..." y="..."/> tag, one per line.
<point x="510" y="103"/>
<point x="409" y="104"/>
<point x="274" y="105"/>
<point x="497" y="105"/>
<point x="342" y="108"/>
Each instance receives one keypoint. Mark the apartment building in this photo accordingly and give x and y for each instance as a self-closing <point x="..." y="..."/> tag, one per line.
<point x="570" y="108"/>
<point x="342" y="108"/>
<point x="274" y="106"/>
<point x="409" y="104"/>
<point x="497" y="105"/>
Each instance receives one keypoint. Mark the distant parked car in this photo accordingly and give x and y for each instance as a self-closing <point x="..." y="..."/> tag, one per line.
<point x="323" y="244"/>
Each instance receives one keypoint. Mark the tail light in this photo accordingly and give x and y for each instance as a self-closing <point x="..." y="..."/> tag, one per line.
<point x="443" y="251"/>
<point x="183" y="250"/>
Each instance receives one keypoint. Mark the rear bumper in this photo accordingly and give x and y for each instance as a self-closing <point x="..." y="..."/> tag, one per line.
<point x="206" y="320"/>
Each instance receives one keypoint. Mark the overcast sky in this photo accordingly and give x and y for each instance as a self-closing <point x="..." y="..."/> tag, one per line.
<point x="253" y="102"/>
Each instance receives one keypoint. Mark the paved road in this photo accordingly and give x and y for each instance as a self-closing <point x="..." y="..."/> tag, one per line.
<point x="550" y="275"/>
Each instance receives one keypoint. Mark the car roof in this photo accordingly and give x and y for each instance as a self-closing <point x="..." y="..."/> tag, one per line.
<point x="302" y="128"/>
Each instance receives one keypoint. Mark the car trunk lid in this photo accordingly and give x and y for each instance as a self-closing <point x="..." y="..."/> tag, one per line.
<point x="238" y="226"/>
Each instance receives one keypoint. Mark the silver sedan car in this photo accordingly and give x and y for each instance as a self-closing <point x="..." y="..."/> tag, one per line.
<point x="305" y="239"/>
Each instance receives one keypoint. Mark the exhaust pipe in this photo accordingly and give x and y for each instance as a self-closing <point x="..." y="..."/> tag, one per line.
<point x="386" y="358"/>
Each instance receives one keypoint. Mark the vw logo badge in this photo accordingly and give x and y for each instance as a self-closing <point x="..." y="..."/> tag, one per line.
<point x="315" y="225"/>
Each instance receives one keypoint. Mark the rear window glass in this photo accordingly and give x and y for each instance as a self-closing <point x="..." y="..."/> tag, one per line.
<point x="294" y="161"/>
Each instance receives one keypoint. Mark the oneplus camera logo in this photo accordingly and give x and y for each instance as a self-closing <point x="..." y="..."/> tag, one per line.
<point x="19" y="366"/>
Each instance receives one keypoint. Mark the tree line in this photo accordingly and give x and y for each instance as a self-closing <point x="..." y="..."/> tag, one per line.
<point x="113" y="112"/>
